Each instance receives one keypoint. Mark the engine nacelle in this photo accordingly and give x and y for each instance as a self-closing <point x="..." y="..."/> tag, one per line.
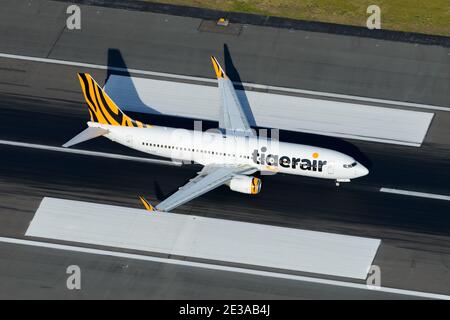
<point x="245" y="184"/>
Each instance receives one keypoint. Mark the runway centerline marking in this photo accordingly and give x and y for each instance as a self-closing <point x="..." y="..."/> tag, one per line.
<point x="416" y="194"/>
<point x="209" y="266"/>
<point x="246" y="84"/>
<point x="86" y="152"/>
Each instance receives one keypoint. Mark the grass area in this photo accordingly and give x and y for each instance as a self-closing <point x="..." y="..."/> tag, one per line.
<point x="422" y="16"/>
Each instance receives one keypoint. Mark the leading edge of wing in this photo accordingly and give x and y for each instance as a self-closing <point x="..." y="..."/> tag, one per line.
<point x="208" y="179"/>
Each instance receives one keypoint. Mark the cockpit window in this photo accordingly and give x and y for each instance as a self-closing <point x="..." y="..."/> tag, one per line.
<point x="350" y="165"/>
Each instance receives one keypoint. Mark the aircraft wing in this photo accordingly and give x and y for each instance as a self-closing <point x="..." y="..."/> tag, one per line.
<point x="232" y="116"/>
<point x="209" y="178"/>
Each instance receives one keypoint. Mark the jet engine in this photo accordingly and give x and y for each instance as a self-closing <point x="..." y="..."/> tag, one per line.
<point x="245" y="184"/>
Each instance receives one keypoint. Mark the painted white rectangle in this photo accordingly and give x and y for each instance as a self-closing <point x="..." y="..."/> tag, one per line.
<point x="205" y="238"/>
<point x="293" y="113"/>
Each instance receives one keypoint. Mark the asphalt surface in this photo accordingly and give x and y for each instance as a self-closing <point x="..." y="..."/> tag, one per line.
<point x="298" y="59"/>
<point x="147" y="279"/>
<point x="40" y="103"/>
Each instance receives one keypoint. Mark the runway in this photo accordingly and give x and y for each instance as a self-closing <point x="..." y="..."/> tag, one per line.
<point x="413" y="230"/>
<point x="105" y="277"/>
<point x="41" y="104"/>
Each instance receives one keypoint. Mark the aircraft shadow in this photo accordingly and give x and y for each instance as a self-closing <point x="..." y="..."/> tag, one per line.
<point x="234" y="76"/>
<point x="117" y="66"/>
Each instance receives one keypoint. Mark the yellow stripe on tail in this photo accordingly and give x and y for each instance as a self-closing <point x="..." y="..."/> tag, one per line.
<point x="101" y="107"/>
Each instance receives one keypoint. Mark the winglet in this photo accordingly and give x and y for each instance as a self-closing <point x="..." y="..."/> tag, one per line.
<point x="146" y="204"/>
<point x="218" y="69"/>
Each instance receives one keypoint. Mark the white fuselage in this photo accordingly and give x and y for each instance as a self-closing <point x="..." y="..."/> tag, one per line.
<point x="208" y="148"/>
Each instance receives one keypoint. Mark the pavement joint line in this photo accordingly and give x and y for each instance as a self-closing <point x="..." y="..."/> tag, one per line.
<point x="87" y="152"/>
<point x="250" y="85"/>
<point x="118" y="254"/>
<point x="416" y="194"/>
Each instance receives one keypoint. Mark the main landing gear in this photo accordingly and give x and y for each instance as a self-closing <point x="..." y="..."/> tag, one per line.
<point x="338" y="181"/>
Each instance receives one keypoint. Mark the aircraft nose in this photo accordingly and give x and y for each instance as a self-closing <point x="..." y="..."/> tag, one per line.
<point x="360" y="170"/>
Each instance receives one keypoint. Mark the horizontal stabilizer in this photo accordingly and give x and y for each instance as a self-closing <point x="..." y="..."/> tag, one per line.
<point x="87" y="134"/>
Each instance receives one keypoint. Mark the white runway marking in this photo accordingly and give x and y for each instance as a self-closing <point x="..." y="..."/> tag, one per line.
<point x="86" y="152"/>
<point x="362" y="122"/>
<point x="416" y="194"/>
<point x="190" y="236"/>
<point x="221" y="268"/>
<point x="250" y="85"/>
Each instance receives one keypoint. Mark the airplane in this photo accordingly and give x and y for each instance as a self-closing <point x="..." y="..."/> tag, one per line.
<point x="230" y="155"/>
